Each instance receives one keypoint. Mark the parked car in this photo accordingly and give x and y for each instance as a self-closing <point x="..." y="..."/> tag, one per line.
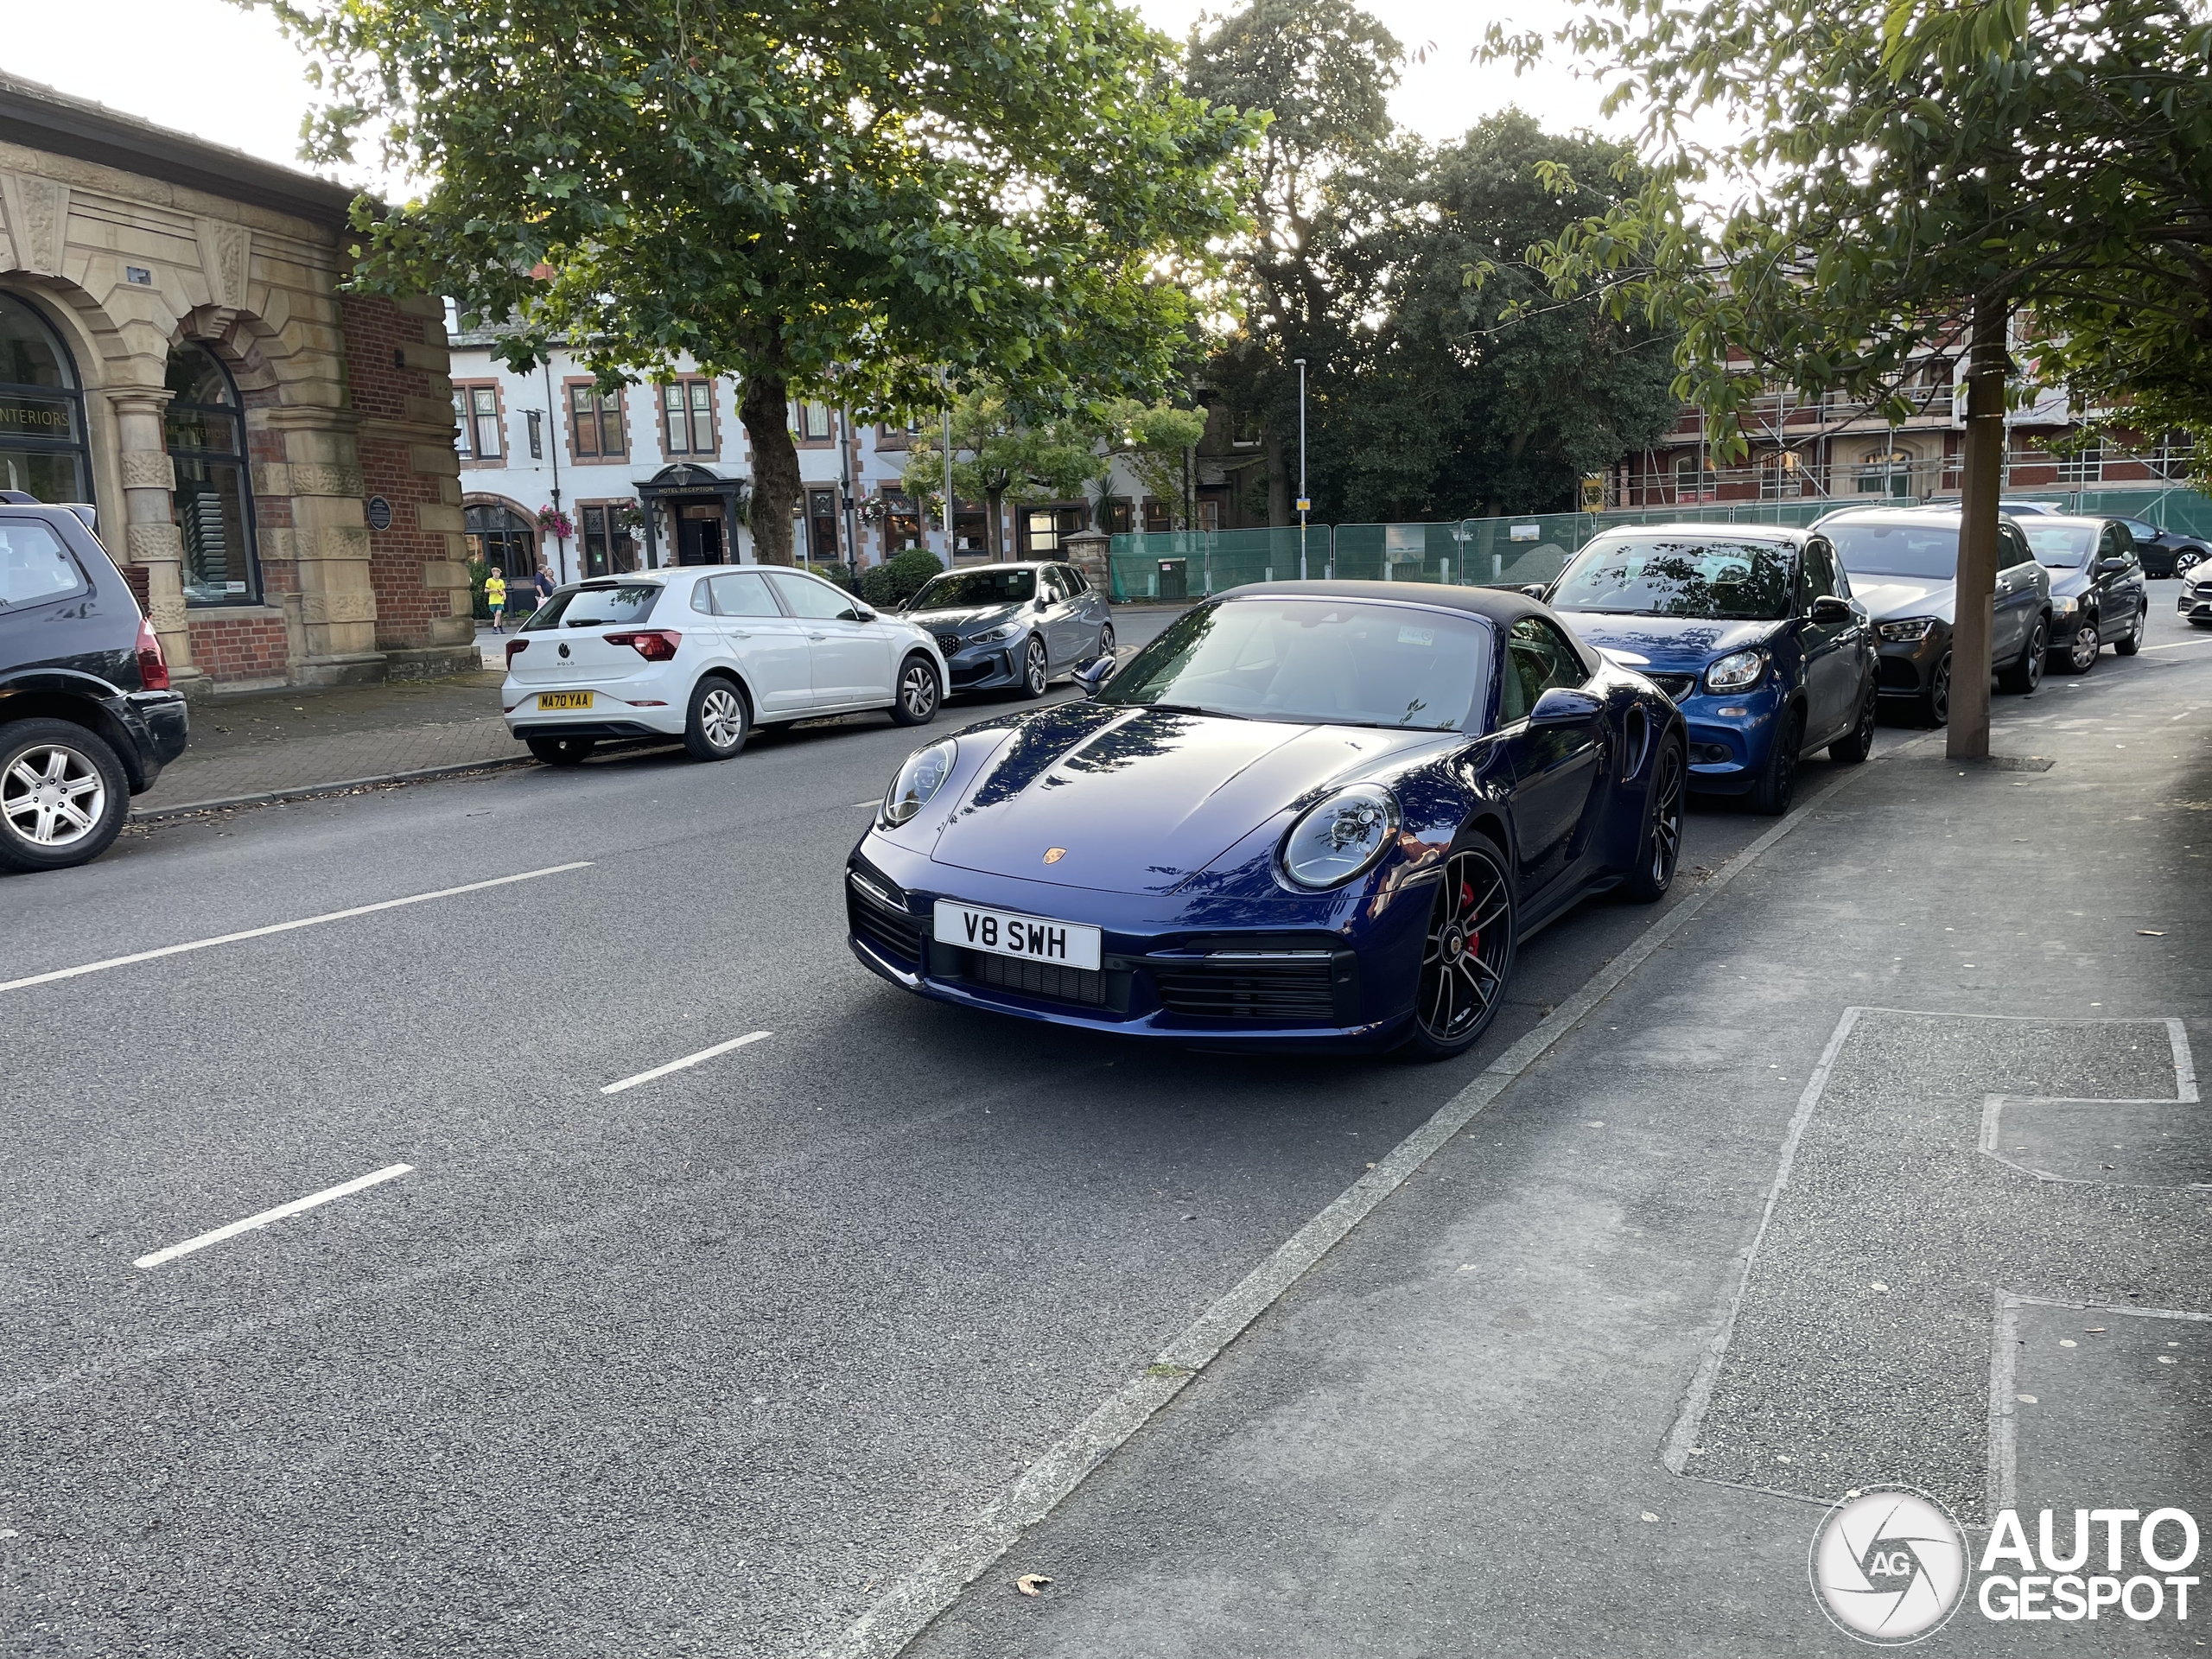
<point x="2194" y="603"/>
<point x="1752" y="630"/>
<point x="1904" y="566"/>
<point x="708" y="653"/>
<point x="2165" y="552"/>
<point x="88" y="717"/>
<point x="1308" y="813"/>
<point x="1008" y="627"/>
<point x="2097" y="595"/>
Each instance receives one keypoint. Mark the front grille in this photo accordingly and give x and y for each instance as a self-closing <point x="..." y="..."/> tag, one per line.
<point x="1219" y="987"/>
<point x="1043" y="978"/>
<point x="1898" y="675"/>
<point x="948" y="643"/>
<point x="894" y="931"/>
<point x="1676" y="686"/>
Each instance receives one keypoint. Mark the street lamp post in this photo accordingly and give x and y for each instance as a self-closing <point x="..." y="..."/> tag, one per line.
<point x="1305" y="501"/>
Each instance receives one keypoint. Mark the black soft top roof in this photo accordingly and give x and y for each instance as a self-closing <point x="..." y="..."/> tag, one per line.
<point x="1502" y="606"/>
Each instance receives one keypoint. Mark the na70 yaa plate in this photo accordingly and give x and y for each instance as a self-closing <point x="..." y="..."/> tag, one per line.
<point x="1009" y="933"/>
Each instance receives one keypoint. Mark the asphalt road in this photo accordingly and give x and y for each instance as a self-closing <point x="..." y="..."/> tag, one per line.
<point x="701" y="1366"/>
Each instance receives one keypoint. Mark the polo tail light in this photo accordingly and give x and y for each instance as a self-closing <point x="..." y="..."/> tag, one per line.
<point x="654" y="645"/>
<point x="515" y="648"/>
<point x="153" y="667"/>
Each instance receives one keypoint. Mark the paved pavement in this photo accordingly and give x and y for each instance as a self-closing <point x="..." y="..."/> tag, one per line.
<point x="712" y="1364"/>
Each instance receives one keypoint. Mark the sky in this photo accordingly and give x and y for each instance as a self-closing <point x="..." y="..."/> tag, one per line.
<point x="208" y="67"/>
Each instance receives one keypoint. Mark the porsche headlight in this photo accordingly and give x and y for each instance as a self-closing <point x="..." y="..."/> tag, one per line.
<point x="1907" y="632"/>
<point x="922" y="776"/>
<point x="992" y="636"/>
<point x="1340" y="836"/>
<point x="1736" y="671"/>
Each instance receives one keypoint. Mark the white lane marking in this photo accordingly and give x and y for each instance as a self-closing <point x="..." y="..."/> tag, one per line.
<point x="2177" y="644"/>
<point x="878" y="801"/>
<point x="689" y="1059"/>
<point x="391" y="1172"/>
<point x="909" y="1606"/>
<point x="284" y="927"/>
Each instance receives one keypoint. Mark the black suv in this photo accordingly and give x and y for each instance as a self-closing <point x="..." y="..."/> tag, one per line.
<point x="87" y="719"/>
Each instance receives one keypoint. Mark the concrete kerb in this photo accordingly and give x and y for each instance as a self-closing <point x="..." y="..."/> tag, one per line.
<point x="908" y="1608"/>
<point x="309" y="791"/>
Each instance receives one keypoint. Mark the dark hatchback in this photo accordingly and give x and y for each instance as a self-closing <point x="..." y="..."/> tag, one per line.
<point x="87" y="718"/>
<point x="1753" y="631"/>
<point x="2097" y="595"/>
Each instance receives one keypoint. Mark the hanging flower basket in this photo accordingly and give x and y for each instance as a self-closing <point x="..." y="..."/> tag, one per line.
<point x="554" y="523"/>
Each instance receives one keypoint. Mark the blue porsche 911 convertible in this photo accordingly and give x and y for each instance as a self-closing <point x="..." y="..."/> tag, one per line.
<point x="1308" y="813"/>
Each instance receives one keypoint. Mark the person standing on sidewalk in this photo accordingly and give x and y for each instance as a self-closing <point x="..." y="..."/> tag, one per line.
<point x="495" y="595"/>
<point x="544" y="582"/>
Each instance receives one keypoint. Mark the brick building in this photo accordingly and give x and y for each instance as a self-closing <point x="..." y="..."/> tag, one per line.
<point x="272" y="460"/>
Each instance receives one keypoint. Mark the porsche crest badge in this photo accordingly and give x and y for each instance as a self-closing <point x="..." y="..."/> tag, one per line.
<point x="1054" y="854"/>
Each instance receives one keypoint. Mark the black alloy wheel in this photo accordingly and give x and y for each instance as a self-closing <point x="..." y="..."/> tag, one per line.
<point x="920" y="693"/>
<point x="557" y="751"/>
<point x="2025" y="674"/>
<point x="1935" y="700"/>
<point x="2132" y="641"/>
<point x="1662" y="847"/>
<point x="1859" y="744"/>
<point x="2080" y="647"/>
<point x="716" y="724"/>
<point x="1467" y="956"/>
<point x="63" y="795"/>
<point x="1779" y="782"/>
<point x="1036" y="673"/>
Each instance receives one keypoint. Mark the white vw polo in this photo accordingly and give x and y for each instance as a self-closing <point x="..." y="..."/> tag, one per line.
<point x="706" y="653"/>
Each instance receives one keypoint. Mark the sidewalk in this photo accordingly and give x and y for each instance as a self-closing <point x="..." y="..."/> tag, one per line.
<point x="1725" y="1249"/>
<point x="302" y="738"/>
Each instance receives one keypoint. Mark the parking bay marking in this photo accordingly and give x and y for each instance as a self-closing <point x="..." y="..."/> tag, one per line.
<point x="390" y="1172"/>
<point x="913" y="1602"/>
<point x="285" y="927"/>
<point x="688" y="1060"/>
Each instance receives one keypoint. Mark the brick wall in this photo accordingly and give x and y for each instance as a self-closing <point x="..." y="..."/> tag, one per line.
<point x="239" y="647"/>
<point x="397" y="375"/>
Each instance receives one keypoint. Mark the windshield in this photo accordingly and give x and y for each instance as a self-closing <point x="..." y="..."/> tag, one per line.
<point x="965" y="590"/>
<point x="1660" y="577"/>
<point x="1322" y="661"/>
<point x="596" y="607"/>
<point x="1929" y="552"/>
<point x="2066" y="547"/>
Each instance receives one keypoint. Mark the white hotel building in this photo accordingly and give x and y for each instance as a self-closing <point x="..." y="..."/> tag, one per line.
<point x="654" y="475"/>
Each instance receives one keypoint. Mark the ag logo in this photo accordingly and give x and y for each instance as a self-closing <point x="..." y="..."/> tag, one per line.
<point x="1889" y="1565"/>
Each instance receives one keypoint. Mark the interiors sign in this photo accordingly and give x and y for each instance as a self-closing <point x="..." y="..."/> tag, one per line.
<point x="54" y="420"/>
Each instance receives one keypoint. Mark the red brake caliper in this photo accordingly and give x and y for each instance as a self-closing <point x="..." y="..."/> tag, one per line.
<point x="1467" y="902"/>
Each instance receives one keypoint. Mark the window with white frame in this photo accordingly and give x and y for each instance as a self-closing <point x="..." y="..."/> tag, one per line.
<point x="688" y="417"/>
<point x="476" y="421"/>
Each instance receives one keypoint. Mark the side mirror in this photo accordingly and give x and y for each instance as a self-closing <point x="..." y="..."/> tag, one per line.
<point x="1564" y="705"/>
<point x="1830" y="612"/>
<point x="1093" y="673"/>
<point x="2111" y="567"/>
<point x="861" y="612"/>
<point x="1039" y="603"/>
<point x="1532" y="590"/>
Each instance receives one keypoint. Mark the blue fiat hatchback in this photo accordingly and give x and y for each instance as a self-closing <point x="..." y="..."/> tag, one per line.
<point x="1752" y="630"/>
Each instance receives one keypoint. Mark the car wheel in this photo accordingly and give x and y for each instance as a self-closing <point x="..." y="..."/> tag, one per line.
<point x="63" y="795"/>
<point x="2025" y="674"/>
<point x="2078" y="649"/>
<point x="2131" y="642"/>
<point x="1035" y="672"/>
<point x="1778" y="781"/>
<point x="560" y="751"/>
<point x="1935" y="700"/>
<point x="1468" y="954"/>
<point x="1106" y="640"/>
<point x="919" y="694"/>
<point x="715" y="726"/>
<point x="1856" y="747"/>
<point x="1662" y="846"/>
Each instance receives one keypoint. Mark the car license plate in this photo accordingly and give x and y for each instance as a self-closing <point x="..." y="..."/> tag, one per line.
<point x="563" y="700"/>
<point x="1008" y="933"/>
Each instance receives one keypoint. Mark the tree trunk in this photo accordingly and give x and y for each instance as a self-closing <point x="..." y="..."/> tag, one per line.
<point x="993" y="525"/>
<point x="1278" y="480"/>
<point x="1974" y="604"/>
<point x="764" y="410"/>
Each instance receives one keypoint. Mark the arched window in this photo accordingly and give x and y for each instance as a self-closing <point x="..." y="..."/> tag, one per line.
<point x="1885" y="472"/>
<point x="214" y="494"/>
<point x="502" y="539"/>
<point x="42" y="409"/>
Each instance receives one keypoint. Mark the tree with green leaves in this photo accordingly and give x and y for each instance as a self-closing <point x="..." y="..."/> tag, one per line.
<point x="999" y="455"/>
<point x="1911" y="173"/>
<point x="1321" y="71"/>
<point x="830" y="201"/>
<point x="1156" y="440"/>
